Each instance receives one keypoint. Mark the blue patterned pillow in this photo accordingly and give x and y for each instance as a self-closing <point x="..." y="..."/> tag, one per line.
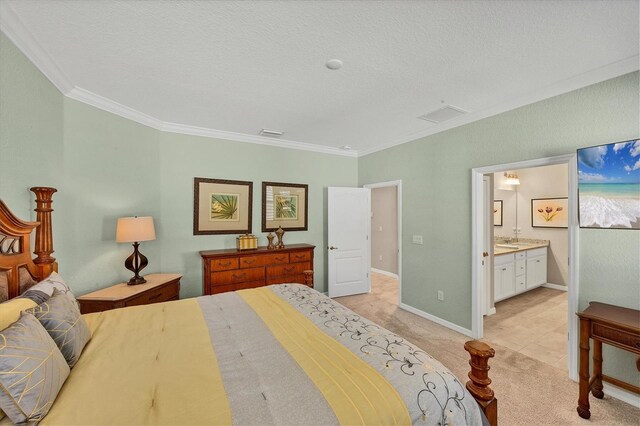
<point x="61" y="318"/>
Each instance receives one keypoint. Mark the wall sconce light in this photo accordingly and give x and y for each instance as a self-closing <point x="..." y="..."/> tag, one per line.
<point x="511" y="178"/>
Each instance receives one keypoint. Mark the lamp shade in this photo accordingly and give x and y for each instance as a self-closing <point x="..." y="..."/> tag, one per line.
<point x="135" y="229"/>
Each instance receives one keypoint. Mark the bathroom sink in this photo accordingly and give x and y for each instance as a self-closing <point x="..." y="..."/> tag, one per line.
<point x="509" y="246"/>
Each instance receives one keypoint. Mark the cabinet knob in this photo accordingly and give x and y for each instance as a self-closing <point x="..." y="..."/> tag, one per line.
<point x="504" y="269"/>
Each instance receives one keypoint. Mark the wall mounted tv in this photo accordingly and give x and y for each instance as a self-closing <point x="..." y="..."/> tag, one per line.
<point x="609" y="185"/>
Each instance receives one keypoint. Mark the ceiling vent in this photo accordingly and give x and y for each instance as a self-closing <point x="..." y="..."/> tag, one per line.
<point x="271" y="133"/>
<point x="443" y="114"/>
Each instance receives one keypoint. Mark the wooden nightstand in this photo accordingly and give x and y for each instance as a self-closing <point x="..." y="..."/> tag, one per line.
<point x="158" y="288"/>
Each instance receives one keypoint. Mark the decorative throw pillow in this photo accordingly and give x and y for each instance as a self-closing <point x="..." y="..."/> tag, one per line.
<point x="42" y="291"/>
<point x="61" y="318"/>
<point x="10" y="310"/>
<point x="33" y="370"/>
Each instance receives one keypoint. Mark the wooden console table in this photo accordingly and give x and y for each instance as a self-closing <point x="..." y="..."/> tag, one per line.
<point x="616" y="326"/>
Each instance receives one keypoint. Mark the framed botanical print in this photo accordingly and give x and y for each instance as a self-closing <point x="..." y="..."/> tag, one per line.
<point x="549" y="213"/>
<point x="221" y="206"/>
<point x="284" y="205"/>
<point x="497" y="213"/>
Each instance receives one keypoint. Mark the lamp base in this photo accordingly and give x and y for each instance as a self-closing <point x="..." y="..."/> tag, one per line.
<point x="135" y="263"/>
<point x="136" y="280"/>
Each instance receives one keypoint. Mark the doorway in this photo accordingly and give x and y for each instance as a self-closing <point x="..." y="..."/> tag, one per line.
<point x="480" y="238"/>
<point x="386" y="239"/>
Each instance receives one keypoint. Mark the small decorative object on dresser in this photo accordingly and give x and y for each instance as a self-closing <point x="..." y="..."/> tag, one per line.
<point x="247" y="242"/>
<point x="280" y="234"/>
<point x="158" y="288"/>
<point x="270" y="238"/>
<point x="230" y="269"/>
<point x="133" y="230"/>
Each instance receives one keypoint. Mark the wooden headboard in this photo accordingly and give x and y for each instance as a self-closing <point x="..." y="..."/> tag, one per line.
<point x="18" y="270"/>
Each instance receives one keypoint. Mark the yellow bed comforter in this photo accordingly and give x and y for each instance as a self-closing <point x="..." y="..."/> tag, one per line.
<point x="282" y="354"/>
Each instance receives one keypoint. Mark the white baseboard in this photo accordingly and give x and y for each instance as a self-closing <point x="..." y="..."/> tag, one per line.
<point x="491" y="311"/>
<point x="555" y="286"/>
<point x="621" y="394"/>
<point x="436" y="319"/>
<point x="388" y="274"/>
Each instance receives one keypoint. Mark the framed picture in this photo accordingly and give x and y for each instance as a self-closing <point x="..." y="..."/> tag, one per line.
<point x="497" y="213"/>
<point x="609" y="186"/>
<point x="285" y="205"/>
<point x="549" y="213"/>
<point x="221" y="206"/>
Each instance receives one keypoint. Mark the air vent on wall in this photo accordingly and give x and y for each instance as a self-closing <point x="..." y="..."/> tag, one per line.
<point x="271" y="133"/>
<point x="445" y="113"/>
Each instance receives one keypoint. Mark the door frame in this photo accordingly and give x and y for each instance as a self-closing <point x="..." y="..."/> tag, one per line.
<point x="478" y="218"/>
<point x="398" y="185"/>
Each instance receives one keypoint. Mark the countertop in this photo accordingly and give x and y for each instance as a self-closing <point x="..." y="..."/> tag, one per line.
<point x="522" y="246"/>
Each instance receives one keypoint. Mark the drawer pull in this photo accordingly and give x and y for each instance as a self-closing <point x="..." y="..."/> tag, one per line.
<point x="638" y="345"/>
<point x="249" y="261"/>
<point x="279" y="259"/>
<point x="289" y="269"/>
<point x="238" y="277"/>
<point x="225" y="264"/>
<point x="298" y="256"/>
<point x="155" y="297"/>
<point x="504" y="269"/>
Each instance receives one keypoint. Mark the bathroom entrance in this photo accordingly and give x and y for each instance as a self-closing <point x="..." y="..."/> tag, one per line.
<point x="524" y="286"/>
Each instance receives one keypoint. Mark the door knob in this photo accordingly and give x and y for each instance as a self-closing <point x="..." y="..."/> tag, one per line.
<point x="333" y="248"/>
<point x="485" y="254"/>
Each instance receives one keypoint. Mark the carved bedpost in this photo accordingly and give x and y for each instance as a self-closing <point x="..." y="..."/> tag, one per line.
<point x="308" y="277"/>
<point x="44" y="235"/>
<point x="478" y="386"/>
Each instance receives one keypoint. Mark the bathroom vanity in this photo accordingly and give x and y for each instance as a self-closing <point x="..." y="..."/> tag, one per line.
<point x="518" y="268"/>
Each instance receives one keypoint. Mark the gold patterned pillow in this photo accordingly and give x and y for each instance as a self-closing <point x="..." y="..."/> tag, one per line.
<point x="33" y="370"/>
<point x="61" y="318"/>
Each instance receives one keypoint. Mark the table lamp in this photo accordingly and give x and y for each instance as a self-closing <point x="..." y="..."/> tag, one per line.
<point x="133" y="230"/>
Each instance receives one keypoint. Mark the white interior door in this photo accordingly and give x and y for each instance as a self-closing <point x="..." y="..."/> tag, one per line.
<point x="349" y="223"/>
<point x="486" y="244"/>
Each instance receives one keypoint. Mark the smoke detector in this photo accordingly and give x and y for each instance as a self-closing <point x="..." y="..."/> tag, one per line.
<point x="270" y="133"/>
<point x="443" y="114"/>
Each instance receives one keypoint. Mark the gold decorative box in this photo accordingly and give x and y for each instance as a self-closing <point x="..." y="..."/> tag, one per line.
<point x="247" y="242"/>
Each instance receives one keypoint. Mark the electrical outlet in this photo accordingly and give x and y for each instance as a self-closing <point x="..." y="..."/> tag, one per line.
<point x="417" y="239"/>
<point x="380" y="257"/>
<point x="440" y="295"/>
<point x="380" y="228"/>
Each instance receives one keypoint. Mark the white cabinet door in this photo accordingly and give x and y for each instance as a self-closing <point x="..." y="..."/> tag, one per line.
<point x="504" y="281"/>
<point x="536" y="271"/>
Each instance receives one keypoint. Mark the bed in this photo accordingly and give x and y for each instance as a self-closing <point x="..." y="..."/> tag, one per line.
<point x="281" y="354"/>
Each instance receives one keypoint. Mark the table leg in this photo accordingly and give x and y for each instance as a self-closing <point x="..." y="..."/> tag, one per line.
<point x="596" y="388"/>
<point x="583" y="399"/>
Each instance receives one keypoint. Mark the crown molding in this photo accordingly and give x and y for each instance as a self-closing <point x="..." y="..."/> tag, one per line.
<point x="588" y="78"/>
<point x="15" y="30"/>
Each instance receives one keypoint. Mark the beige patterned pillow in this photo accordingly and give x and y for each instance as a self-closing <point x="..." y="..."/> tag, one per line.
<point x="61" y="318"/>
<point x="33" y="370"/>
<point x="42" y="291"/>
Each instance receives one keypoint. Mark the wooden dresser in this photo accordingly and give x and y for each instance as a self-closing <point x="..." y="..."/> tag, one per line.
<point x="230" y="269"/>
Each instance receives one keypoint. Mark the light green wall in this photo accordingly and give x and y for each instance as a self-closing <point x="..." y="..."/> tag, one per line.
<point x="184" y="157"/>
<point x="31" y="130"/>
<point x="105" y="166"/>
<point x="436" y="178"/>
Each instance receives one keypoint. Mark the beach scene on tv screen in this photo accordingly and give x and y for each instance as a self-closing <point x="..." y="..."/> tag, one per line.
<point x="609" y="185"/>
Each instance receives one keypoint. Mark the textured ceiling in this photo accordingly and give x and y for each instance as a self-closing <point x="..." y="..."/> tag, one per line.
<point x="242" y="66"/>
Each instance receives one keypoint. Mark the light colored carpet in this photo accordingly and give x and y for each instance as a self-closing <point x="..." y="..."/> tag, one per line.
<point x="529" y="392"/>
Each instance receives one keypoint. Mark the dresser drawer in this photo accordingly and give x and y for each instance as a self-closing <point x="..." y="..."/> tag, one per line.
<point x="300" y="256"/>
<point x="521" y="267"/>
<point x="265" y="259"/>
<point x="237" y="276"/>
<point x="616" y="336"/>
<point x="281" y="279"/>
<point x="290" y="269"/>
<point x="224" y="264"/>
<point x="233" y="287"/>
<point x="162" y="294"/>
